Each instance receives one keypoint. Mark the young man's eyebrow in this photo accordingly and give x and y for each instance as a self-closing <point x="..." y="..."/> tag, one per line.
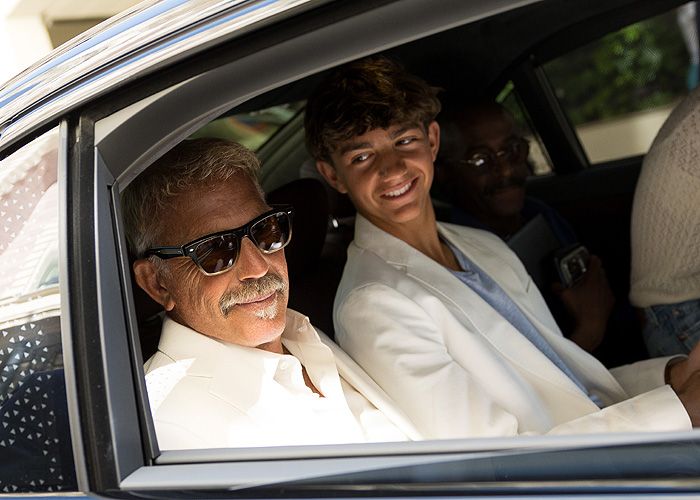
<point x="402" y="130"/>
<point x="362" y="145"/>
<point x="352" y="147"/>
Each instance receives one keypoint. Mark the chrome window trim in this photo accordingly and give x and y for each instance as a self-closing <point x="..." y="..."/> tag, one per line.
<point x="64" y="291"/>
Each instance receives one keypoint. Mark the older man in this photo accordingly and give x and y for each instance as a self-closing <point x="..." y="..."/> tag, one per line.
<point x="234" y="367"/>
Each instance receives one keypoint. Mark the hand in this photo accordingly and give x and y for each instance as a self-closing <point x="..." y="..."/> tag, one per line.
<point x="689" y="394"/>
<point x="680" y="369"/>
<point x="683" y="374"/>
<point x="590" y="303"/>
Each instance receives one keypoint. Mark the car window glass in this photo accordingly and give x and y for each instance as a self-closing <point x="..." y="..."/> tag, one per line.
<point x="538" y="159"/>
<point x="35" y="448"/>
<point x="618" y="90"/>
<point x="252" y="129"/>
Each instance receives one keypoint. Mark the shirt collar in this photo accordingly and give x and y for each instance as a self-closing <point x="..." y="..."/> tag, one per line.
<point x="211" y="357"/>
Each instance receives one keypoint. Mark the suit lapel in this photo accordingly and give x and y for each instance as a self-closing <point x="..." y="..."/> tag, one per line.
<point x="587" y="368"/>
<point x="466" y="305"/>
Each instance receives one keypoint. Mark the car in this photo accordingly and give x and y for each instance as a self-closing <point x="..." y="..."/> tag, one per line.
<point x="80" y="125"/>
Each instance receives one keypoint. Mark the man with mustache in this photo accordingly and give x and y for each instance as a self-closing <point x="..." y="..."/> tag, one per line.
<point x="484" y="175"/>
<point x="485" y="168"/>
<point x="234" y="366"/>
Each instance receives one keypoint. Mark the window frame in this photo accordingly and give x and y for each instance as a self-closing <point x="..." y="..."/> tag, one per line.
<point x="62" y="127"/>
<point x="546" y="110"/>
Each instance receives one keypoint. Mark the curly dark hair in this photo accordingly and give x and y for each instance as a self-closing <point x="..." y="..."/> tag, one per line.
<point x="363" y="95"/>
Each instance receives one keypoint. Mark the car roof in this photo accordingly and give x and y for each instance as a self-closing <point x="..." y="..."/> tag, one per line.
<point x="155" y="33"/>
<point x="122" y="48"/>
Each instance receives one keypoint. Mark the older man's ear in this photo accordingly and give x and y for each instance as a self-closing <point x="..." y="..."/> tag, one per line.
<point x="148" y="278"/>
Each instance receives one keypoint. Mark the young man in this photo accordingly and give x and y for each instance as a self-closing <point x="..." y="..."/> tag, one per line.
<point x="234" y="366"/>
<point x="445" y="318"/>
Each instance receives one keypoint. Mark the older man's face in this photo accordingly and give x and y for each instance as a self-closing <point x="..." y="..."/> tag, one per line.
<point x="498" y="188"/>
<point x="245" y="305"/>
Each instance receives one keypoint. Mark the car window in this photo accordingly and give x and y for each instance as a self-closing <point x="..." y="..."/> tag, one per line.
<point x="35" y="448"/>
<point x="618" y="90"/>
<point x="252" y="129"/>
<point x="538" y="159"/>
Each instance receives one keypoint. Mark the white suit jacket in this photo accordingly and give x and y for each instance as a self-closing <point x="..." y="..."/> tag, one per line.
<point x="458" y="368"/>
<point x="206" y="393"/>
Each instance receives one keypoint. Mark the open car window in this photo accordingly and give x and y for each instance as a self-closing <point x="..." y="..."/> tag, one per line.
<point x="251" y="129"/>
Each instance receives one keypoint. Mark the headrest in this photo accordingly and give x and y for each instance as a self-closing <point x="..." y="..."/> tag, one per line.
<point x="310" y="202"/>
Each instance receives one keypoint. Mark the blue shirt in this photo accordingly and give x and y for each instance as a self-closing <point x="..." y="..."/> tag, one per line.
<point x="481" y="283"/>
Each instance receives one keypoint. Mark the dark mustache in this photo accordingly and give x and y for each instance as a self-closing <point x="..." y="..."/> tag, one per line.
<point x="251" y="290"/>
<point x="506" y="183"/>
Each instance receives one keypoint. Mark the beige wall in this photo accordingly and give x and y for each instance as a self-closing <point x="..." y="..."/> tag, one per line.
<point x="628" y="135"/>
<point x="30" y="29"/>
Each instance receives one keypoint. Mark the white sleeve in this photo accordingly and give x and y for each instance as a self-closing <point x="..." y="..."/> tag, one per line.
<point x="400" y="347"/>
<point x="642" y="376"/>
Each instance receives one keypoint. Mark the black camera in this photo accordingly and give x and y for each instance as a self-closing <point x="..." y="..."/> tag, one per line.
<point x="571" y="264"/>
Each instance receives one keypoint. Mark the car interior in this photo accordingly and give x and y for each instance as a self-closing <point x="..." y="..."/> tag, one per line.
<point x="594" y="197"/>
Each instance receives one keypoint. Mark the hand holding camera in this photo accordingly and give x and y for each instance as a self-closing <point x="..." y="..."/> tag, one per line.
<point x="588" y="299"/>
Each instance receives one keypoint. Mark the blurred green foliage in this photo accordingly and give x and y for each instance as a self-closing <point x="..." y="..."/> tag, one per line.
<point x="641" y="66"/>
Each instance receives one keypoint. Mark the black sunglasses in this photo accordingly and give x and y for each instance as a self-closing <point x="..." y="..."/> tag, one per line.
<point x="216" y="253"/>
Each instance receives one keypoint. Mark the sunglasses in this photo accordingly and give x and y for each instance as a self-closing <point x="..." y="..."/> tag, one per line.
<point x="217" y="253"/>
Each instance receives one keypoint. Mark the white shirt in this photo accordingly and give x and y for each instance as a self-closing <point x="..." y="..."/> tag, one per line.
<point x="207" y="393"/>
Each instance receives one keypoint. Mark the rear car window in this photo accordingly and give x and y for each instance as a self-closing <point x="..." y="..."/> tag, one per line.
<point x="254" y="128"/>
<point x="618" y="90"/>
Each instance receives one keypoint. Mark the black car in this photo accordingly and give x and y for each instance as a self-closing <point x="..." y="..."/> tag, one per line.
<point x="591" y="82"/>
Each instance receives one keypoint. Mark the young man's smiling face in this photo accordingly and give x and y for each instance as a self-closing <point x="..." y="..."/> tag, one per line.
<point x="386" y="172"/>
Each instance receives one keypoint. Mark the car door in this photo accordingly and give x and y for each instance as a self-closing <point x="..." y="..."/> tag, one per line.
<point x="112" y="137"/>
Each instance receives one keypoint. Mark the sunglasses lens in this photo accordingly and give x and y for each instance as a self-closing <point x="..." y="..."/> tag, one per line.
<point x="217" y="254"/>
<point x="272" y="233"/>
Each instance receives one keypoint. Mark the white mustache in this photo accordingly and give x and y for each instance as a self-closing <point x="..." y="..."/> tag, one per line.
<point x="250" y="291"/>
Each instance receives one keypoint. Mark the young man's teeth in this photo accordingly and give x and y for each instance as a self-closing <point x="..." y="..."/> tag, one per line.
<point x="399" y="192"/>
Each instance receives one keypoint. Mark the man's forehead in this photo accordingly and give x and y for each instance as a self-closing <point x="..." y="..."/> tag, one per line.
<point x="206" y="209"/>
<point x="484" y="128"/>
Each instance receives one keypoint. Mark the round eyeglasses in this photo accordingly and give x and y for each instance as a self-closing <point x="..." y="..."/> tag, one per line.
<point x="515" y="152"/>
